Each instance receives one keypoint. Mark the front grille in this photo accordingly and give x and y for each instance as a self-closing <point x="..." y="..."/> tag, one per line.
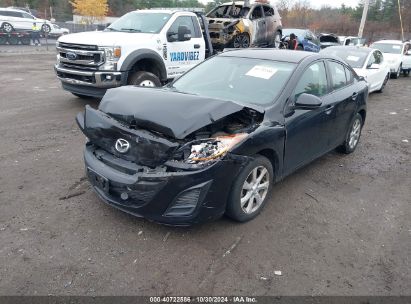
<point x="87" y="57"/>
<point x="82" y="47"/>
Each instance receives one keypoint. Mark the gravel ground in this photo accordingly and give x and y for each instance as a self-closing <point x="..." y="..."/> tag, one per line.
<point x="340" y="226"/>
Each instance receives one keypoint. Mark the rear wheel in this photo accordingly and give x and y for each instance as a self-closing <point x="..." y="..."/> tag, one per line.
<point x="7" y="27"/>
<point x="250" y="190"/>
<point x="397" y="74"/>
<point x="353" y="137"/>
<point x="144" y="79"/>
<point x="46" y="28"/>
<point x="384" y="84"/>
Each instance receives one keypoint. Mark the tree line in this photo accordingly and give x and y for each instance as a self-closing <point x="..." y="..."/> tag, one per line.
<point x="383" y="15"/>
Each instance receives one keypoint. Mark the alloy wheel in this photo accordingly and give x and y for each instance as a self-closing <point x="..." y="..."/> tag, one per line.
<point x="255" y="189"/>
<point x="241" y="41"/>
<point x="355" y="134"/>
<point x="7" y="28"/>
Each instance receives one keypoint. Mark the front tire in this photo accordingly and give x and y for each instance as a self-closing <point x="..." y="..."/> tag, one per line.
<point x="144" y="79"/>
<point x="353" y="137"/>
<point x="251" y="190"/>
<point x="241" y="41"/>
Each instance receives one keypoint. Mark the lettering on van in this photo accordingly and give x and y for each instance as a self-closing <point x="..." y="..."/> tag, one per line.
<point x="184" y="56"/>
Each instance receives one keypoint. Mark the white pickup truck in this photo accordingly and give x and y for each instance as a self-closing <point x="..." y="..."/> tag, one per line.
<point x="144" y="47"/>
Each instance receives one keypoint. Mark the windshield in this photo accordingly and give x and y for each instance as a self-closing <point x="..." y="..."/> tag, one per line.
<point x="140" y="22"/>
<point x="244" y="80"/>
<point x="297" y="32"/>
<point x="228" y="11"/>
<point x="388" y="48"/>
<point x="356" y="59"/>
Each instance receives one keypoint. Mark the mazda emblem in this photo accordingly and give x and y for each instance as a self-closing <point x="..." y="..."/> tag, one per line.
<point x="71" y="56"/>
<point x="122" y="146"/>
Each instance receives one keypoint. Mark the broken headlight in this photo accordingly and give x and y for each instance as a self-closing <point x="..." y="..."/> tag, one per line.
<point x="206" y="150"/>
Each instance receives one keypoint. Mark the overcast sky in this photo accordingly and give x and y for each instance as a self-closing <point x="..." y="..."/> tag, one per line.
<point x="319" y="3"/>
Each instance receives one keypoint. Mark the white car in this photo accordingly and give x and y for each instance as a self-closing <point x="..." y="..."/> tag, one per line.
<point x="366" y="62"/>
<point x="397" y="54"/>
<point x="58" y="31"/>
<point x="14" y="19"/>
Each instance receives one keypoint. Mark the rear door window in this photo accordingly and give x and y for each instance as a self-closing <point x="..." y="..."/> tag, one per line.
<point x="338" y="75"/>
<point x="257" y="12"/>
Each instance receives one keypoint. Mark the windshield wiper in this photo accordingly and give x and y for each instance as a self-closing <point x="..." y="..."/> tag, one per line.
<point x="111" y="29"/>
<point x="131" y="30"/>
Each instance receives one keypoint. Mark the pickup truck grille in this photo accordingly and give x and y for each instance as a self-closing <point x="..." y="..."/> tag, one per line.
<point x="79" y="56"/>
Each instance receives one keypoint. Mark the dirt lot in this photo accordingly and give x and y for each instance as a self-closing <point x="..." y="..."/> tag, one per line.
<point x="340" y="226"/>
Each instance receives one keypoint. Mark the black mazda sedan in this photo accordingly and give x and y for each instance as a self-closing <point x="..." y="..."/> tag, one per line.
<point x="215" y="140"/>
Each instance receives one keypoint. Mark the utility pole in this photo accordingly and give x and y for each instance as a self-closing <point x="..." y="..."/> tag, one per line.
<point x="364" y="17"/>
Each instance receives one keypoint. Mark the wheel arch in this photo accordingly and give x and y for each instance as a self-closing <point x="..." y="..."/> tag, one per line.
<point x="272" y="156"/>
<point x="363" y="114"/>
<point x="145" y="60"/>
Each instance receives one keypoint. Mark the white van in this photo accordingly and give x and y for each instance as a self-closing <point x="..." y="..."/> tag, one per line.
<point x="14" y="19"/>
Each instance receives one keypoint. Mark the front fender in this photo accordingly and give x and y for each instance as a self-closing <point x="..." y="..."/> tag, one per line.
<point x="141" y="54"/>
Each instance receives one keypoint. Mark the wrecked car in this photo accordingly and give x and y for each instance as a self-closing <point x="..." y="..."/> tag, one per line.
<point x="241" y="24"/>
<point x="212" y="143"/>
<point x="327" y="40"/>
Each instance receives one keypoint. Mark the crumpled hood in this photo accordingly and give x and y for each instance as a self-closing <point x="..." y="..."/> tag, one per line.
<point x="101" y="38"/>
<point x="173" y="114"/>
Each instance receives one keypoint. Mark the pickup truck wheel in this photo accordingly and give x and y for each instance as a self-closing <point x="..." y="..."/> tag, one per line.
<point x="241" y="41"/>
<point x="353" y="137"/>
<point x="251" y="190"/>
<point x="144" y="79"/>
<point x="7" y="27"/>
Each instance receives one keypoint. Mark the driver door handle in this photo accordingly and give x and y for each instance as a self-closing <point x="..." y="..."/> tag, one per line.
<point x="197" y="46"/>
<point x="354" y="96"/>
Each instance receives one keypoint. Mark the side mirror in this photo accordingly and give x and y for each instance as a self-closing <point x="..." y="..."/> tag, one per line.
<point x="184" y="34"/>
<point x="308" y="101"/>
<point x="172" y="36"/>
<point x="374" y="66"/>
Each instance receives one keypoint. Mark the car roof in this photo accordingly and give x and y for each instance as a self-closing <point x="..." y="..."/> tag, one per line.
<point x="271" y="54"/>
<point x="350" y="48"/>
<point x="12" y="9"/>
<point x="390" y="41"/>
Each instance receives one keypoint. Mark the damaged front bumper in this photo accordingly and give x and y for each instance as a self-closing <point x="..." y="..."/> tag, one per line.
<point x="179" y="198"/>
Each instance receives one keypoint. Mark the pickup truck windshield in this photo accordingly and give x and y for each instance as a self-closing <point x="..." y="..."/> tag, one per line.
<point x="245" y="80"/>
<point x="388" y="48"/>
<point x="139" y="22"/>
